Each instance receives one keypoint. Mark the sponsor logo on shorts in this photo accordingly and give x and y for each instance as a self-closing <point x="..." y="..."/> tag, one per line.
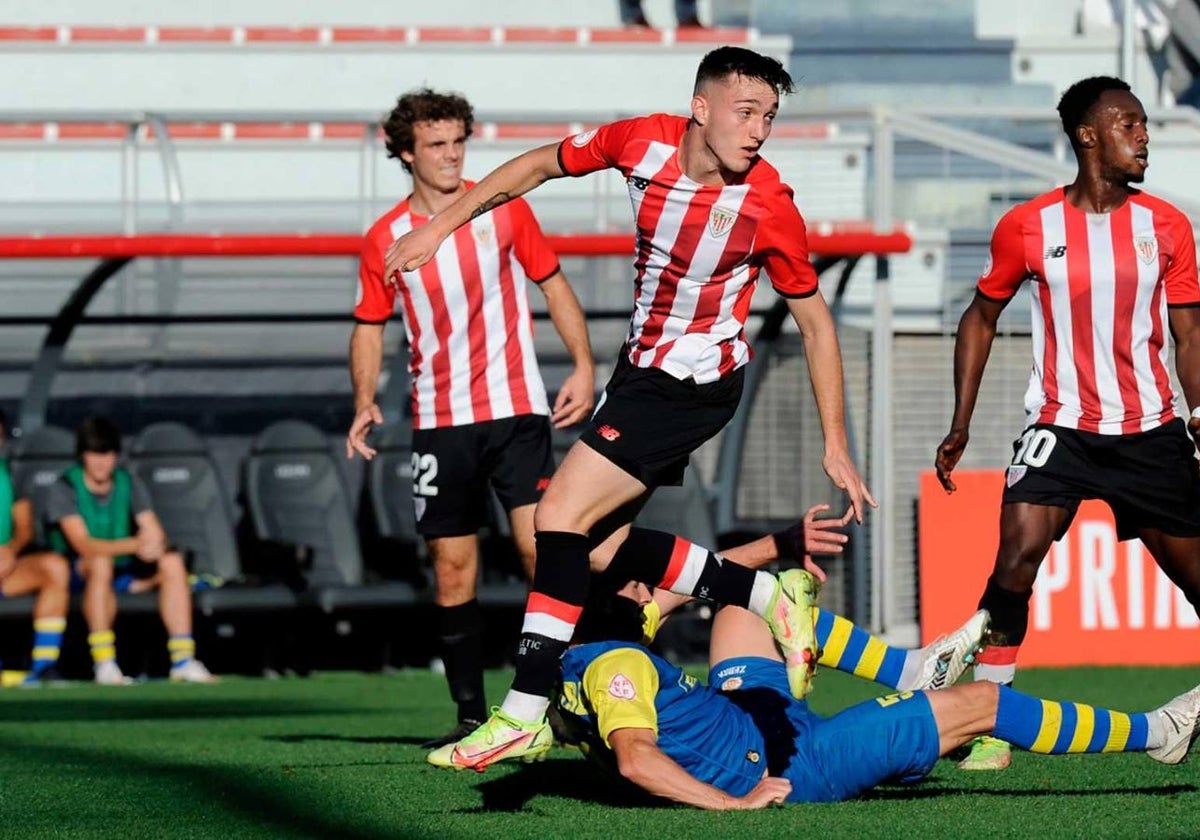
<point x="1014" y="474"/>
<point x="731" y="684"/>
<point x="732" y="670"/>
<point x="621" y="687"/>
<point x="608" y="432"/>
<point x="753" y="757"/>
<point x="542" y="484"/>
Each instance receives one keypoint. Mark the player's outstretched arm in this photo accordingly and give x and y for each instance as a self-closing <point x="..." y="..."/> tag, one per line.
<point x="972" y="346"/>
<point x="641" y="761"/>
<point x="578" y="392"/>
<point x="511" y="179"/>
<point x="824" y="356"/>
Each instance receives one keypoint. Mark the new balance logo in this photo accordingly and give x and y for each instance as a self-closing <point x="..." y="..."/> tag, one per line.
<point x="1055" y="252"/>
<point x="640" y="183"/>
<point x="608" y="432"/>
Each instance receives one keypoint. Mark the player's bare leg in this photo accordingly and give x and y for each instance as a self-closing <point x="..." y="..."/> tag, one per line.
<point x="1026" y="534"/>
<point x="460" y="630"/>
<point x="49" y="576"/>
<point x="175" y="608"/>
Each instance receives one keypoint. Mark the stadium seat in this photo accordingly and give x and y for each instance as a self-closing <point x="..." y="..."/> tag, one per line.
<point x="295" y="495"/>
<point x="188" y="497"/>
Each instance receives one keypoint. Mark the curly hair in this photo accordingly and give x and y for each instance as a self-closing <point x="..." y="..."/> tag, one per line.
<point x="418" y="106"/>
<point x="1076" y="104"/>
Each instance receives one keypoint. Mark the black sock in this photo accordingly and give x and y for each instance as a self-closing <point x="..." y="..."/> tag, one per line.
<point x="460" y="631"/>
<point x="670" y="562"/>
<point x="560" y="585"/>
<point x="1009" y="614"/>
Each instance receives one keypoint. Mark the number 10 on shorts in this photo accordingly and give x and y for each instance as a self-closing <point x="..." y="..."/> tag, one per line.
<point x="1033" y="449"/>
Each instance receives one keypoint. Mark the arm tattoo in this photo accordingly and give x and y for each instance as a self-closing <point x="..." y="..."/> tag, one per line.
<point x="492" y="203"/>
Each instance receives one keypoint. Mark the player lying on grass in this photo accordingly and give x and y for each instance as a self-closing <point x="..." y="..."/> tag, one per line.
<point x="830" y="639"/>
<point x="744" y="742"/>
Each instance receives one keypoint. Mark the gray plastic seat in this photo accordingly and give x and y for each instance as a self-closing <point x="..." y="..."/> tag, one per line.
<point x="190" y="501"/>
<point x="296" y="495"/>
<point x="389" y="484"/>
<point x="39" y="458"/>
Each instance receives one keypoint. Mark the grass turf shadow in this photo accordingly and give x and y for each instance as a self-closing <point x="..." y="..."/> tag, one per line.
<point x="566" y="778"/>
<point x="91" y="709"/>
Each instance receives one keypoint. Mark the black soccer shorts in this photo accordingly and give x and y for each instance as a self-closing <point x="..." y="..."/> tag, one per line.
<point x="648" y="422"/>
<point x="1149" y="479"/>
<point x="454" y="465"/>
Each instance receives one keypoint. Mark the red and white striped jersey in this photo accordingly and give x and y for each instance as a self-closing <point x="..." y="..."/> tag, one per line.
<point x="699" y="248"/>
<point x="466" y="314"/>
<point x="1102" y="285"/>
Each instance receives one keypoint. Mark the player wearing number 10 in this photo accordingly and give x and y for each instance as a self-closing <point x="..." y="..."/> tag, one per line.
<point x="478" y="403"/>
<point x="1111" y="267"/>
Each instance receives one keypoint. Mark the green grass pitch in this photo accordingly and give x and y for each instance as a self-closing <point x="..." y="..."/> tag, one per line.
<point x="335" y="756"/>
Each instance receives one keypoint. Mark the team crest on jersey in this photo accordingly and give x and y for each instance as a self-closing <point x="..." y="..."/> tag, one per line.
<point x="581" y="140"/>
<point x="621" y="687"/>
<point x="720" y="221"/>
<point x="1014" y="474"/>
<point x="484" y="234"/>
<point x="1146" y="247"/>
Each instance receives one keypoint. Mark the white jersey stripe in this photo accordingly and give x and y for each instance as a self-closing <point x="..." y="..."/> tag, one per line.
<point x="459" y="346"/>
<point x="1054" y="232"/>
<point x="487" y="251"/>
<point x="1143" y="224"/>
<point x="1104" y="302"/>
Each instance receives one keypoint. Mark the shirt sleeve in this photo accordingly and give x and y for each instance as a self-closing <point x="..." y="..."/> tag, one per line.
<point x="782" y="248"/>
<point x="597" y="149"/>
<point x="1006" y="267"/>
<point x="532" y="250"/>
<point x="620" y="686"/>
<point x="376" y="299"/>
<point x="58" y="502"/>
<point x="1183" y="288"/>
<point x="139" y="495"/>
<point x="652" y="619"/>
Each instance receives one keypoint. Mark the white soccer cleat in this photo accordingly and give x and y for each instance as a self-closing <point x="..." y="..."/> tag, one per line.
<point x="1181" y="724"/>
<point x="192" y="671"/>
<point x="109" y="673"/>
<point x="944" y="660"/>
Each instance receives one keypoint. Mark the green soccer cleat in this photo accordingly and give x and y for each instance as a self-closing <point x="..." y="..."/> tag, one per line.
<point x="500" y="739"/>
<point x="987" y="753"/>
<point x="790" y="617"/>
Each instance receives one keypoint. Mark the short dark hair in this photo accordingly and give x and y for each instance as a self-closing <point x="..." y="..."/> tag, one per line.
<point x="423" y="105"/>
<point x="1076" y="104"/>
<point x="607" y="616"/>
<point x="97" y="434"/>
<point x="726" y="61"/>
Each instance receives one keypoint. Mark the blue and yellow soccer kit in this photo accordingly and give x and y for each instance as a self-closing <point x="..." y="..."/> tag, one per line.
<point x="746" y="725"/>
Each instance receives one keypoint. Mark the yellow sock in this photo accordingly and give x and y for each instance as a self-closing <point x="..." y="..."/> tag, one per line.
<point x="104" y="646"/>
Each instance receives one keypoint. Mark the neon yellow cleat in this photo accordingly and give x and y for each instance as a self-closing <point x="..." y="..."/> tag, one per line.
<point x="500" y="739"/>
<point x="987" y="753"/>
<point x="790" y="617"/>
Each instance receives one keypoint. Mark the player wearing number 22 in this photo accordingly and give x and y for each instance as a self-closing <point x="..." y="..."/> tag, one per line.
<point x="1110" y="269"/>
<point x="478" y="403"/>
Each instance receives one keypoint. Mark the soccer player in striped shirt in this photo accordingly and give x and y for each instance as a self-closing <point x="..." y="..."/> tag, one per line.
<point x="1111" y="268"/>
<point x="478" y="403"/>
<point x="710" y="215"/>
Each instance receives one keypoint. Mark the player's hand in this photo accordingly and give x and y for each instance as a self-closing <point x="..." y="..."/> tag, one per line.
<point x="356" y="440"/>
<point x="950" y="450"/>
<point x="814" y="536"/>
<point x="8" y="561"/>
<point x="410" y="252"/>
<point x="575" y="398"/>
<point x="1193" y="426"/>
<point x="772" y="790"/>
<point x="152" y="545"/>
<point x="844" y="474"/>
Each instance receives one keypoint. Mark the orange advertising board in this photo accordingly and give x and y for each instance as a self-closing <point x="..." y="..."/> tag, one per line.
<point x="1096" y="601"/>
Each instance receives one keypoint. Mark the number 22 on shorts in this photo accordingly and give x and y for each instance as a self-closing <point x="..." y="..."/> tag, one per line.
<point x="424" y="471"/>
